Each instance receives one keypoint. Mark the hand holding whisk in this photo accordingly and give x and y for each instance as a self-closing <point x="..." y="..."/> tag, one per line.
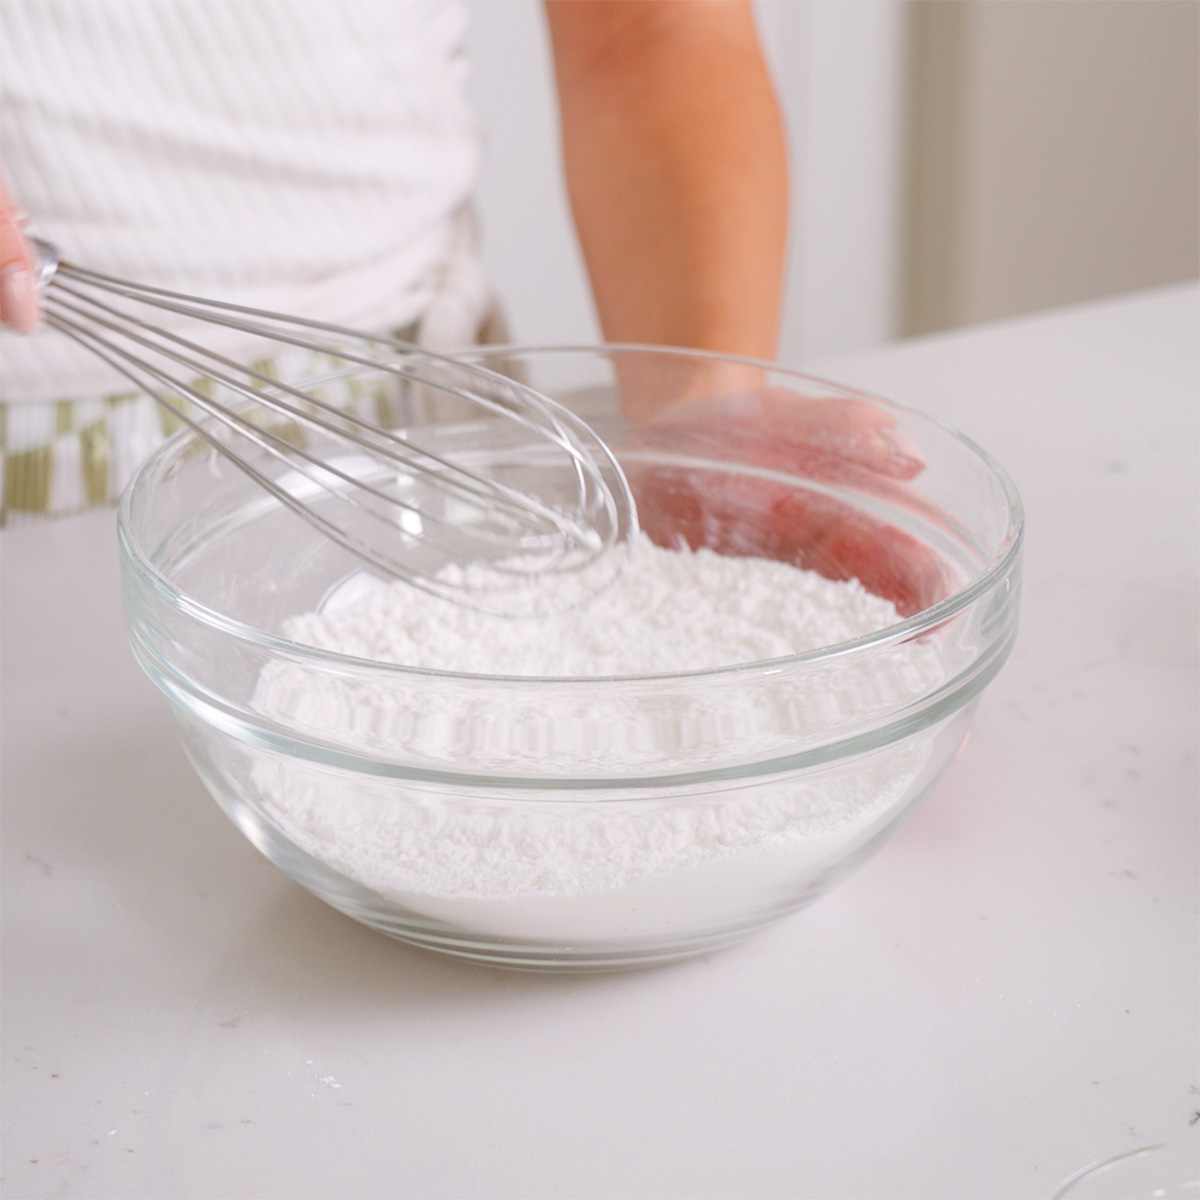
<point x="370" y="489"/>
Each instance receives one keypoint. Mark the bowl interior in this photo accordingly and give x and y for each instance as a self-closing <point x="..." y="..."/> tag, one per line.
<point x="923" y="538"/>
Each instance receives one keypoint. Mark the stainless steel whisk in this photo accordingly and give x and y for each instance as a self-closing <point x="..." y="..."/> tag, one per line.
<point x="372" y="490"/>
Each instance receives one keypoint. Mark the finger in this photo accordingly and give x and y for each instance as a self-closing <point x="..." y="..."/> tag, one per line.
<point x="757" y="518"/>
<point x="19" y="307"/>
<point x="828" y="438"/>
<point x="841" y="542"/>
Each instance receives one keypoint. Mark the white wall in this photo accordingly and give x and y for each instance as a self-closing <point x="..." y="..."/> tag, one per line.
<point x="1083" y="174"/>
<point x="839" y="72"/>
<point x="1057" y="154"/>
<point x="529" y="244"/>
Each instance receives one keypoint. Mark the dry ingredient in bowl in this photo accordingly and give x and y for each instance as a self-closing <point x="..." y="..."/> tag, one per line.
<point x="553" y="865"/>
<point x="670" y="610"/>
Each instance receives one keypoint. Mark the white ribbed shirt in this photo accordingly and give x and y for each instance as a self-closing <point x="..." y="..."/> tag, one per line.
<point x="308" y="156"/>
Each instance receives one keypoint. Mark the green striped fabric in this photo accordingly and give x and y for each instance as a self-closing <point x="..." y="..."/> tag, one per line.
<point x="77" y="453"/>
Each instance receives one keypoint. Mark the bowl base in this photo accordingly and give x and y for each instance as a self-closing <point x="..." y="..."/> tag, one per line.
<point x="549" y="958"/>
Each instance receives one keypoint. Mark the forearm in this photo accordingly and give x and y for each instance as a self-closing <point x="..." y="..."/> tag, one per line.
<point x="676" y="169"/>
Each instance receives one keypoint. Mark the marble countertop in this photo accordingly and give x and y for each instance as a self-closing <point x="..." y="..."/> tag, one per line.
<point x="1007" y="992"/>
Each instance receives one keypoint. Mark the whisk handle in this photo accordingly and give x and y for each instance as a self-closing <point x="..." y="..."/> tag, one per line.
<point x="47" y="262"/>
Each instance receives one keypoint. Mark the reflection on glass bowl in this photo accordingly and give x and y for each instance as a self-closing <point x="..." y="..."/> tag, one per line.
<point x="1170" y="1171"/>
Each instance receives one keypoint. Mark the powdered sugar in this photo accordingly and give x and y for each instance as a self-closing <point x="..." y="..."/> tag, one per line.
<point x="668" y="611"/>
<point x="610" y="861"/>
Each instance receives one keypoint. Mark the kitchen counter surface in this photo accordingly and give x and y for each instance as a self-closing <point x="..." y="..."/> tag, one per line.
<point x="1006" y="993"/>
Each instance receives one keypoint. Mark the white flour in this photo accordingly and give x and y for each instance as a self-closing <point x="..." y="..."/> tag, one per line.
<point x="668" y="611"/>
<point x="592" y="865"/>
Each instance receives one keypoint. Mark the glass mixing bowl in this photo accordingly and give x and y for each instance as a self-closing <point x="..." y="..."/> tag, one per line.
<point x="589" y="823"/>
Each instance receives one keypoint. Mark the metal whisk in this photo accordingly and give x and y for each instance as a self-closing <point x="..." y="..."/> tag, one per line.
<point x="373" y="490"/>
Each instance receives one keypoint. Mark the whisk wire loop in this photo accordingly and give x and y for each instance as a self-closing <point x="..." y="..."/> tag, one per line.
<point x="373" y="490"/>
<point x="344" y="424"/>
<point x="545" y="414"/>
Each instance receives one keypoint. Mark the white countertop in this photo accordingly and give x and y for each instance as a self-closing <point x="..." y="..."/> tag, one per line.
<point x="1007" y="992"/>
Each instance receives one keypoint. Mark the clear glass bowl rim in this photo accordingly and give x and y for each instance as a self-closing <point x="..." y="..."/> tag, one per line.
<point x="928" y="618"/>
<point x="1126" y="1158"/>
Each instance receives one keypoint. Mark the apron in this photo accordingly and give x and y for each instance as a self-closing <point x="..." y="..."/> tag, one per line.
<point x="314" y="157"/>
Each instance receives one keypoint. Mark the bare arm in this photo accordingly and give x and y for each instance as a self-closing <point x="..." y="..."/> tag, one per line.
<point x="676" y="169"/>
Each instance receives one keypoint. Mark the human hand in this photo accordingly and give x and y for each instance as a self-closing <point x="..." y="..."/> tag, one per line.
<point x="840" y="441"/>
<point x="19" y="308"/>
